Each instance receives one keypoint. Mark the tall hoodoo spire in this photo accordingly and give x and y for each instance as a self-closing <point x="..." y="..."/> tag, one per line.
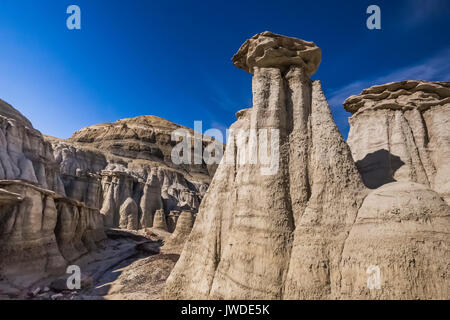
<point x="252" y="227"/>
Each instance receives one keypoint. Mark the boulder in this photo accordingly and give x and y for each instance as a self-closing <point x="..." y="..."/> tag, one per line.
<point x="401" y="231"/>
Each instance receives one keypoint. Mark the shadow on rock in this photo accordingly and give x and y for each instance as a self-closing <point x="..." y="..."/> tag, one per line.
<point x="378" y="168"/>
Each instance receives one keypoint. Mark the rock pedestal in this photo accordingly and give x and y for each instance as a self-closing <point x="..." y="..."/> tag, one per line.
<point x="274" y="230"/>
<point x="182" y="230"/>
<point x="159" y="221"/>
<point x="129" y="215"/>
<point x="304" y="226"/>
<point x="400" y="132"/>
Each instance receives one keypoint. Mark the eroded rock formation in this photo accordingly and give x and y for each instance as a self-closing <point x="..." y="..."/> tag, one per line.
<point x="400" y="132"/>
<point x="41" y="230"/>
<point x="24" y="154"/>
<point x="279" y="235"/>
<point x="183" y="228"/>
<point x="402" y="229"/>
<point x="129" y="215"/>
<point x="160" y="221"/>
<point x="106" y="164"/>
<point x="308" y="230"/>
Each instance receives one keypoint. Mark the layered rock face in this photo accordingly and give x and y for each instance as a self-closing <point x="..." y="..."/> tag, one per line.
<point x="305" y="226"/>
<point x="402" y="230"/>
<point x="400" y="132"/>
<point x="105" y="165"/>
<point x="278" y="234"/>
<point x="24" y="154"/>
<point x="41" y="230"/>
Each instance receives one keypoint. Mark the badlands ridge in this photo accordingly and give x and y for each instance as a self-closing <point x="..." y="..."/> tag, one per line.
<point x="333" y="211"/>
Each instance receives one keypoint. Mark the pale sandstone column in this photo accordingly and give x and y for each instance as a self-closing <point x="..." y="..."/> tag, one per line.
<point x="279" y="235"/>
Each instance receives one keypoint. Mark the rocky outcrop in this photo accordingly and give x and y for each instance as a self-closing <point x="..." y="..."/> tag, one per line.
<point x="159" y="221"/>
<point x="402" y="230"/>
<point x="106" y="164"/>
<point x="41" y="230"/>
<point x="24" y="154"/>
<point x="129" y="215"/>
<point x="183" y="228"/>
<point x="399" y="132"/>
<point x="304" y="226"/>
<point x="28" y="241"/>
<point x="276" y="234"/>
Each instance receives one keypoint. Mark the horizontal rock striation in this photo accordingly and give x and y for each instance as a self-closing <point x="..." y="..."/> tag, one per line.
<point x="402" y="230"/>
<point x="106" y="164"/>
<point x="267" y="49"/>
<point x="24" y="154"/>
<point x="399" y="132"/>
<point x="183" y="228"/>
<point x="41" y="230"/>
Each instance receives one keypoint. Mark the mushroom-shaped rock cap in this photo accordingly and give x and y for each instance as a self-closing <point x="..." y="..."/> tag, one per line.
<point x="409" y="94"/>
<point x="268" y="49"/>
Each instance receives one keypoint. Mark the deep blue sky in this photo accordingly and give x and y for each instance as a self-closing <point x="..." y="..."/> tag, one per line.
<point x="173" y="58"/>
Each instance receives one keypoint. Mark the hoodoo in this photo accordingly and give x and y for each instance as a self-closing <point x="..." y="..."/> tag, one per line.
<point x="312" y="229"/>
<point x="399" y="131"/>
<point x="280" y="235"/>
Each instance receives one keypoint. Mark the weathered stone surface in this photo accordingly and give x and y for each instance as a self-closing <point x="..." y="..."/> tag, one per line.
<point x="41" y="232"/>
<point x="260" y="236"/>
<point x="159" y="221"/>
<point x="402" y="229"/>
<point x="399" y="132"/>
<point x="28" y="246"/>
<point x="267" y="49"/>
<point x="10" y="112"/>
<point x="105" y="164"/>
<point x="129" y="215"/>
<point x="309" y="230"/>
<point x="303" y="226"/>
<point x="40" y="229"/>
<point x="172" y="219"/>
<point x="78" y="227"/>
<point x="182" y="230"/>
<point x="24" y="154"/>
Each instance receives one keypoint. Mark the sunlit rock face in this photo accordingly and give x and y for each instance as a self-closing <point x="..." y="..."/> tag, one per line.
<point x="41" y="230"/>
<point x="267" y="50"/>
<point x="400" y="132"/>
<point x="106" y="164"/>
<point x="402" y="233"/>
<point x="278" y="235"/>
<point x="24" y="154"/>
<point x="311" y="229"/>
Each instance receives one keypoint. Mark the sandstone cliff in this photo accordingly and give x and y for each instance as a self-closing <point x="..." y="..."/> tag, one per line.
<point x="307" y="230"/>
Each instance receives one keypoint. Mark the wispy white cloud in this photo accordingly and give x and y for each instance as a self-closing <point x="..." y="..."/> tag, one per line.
<point x="436" y="68"/>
